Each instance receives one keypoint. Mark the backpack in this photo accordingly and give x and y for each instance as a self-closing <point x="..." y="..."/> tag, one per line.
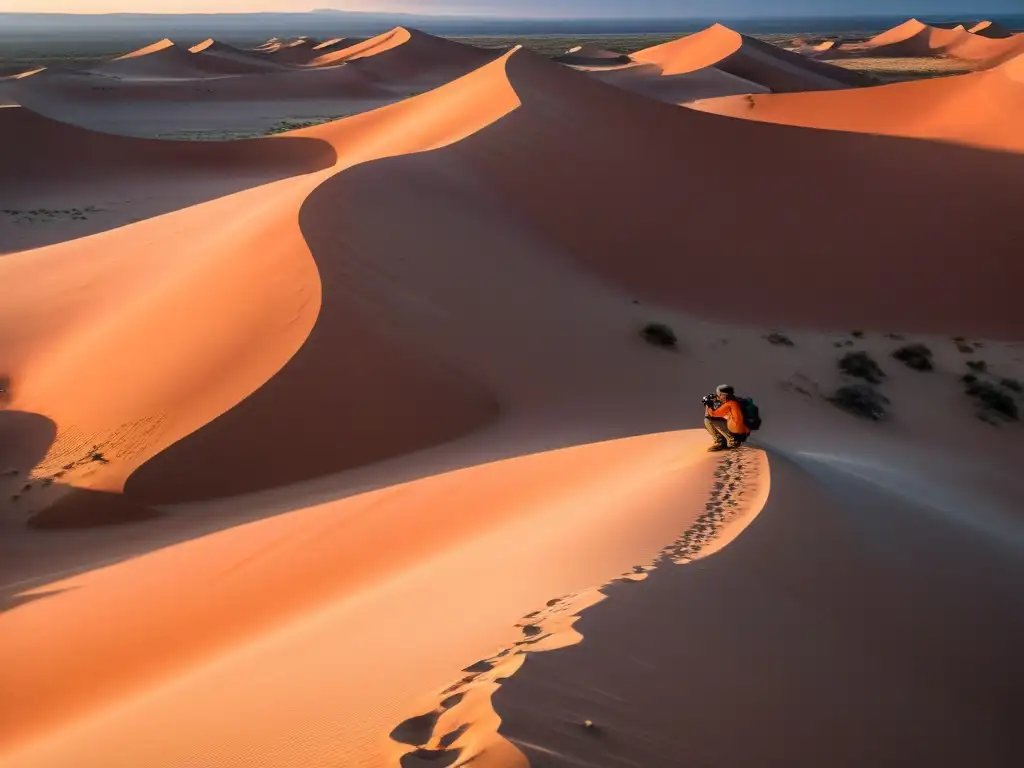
<point x="751" y="415"/>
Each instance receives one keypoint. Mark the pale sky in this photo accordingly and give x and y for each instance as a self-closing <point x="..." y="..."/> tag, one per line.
<point x="532" y="8"/>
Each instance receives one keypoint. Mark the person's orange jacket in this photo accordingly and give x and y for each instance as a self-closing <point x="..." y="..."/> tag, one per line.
<point x="732" y="413"/>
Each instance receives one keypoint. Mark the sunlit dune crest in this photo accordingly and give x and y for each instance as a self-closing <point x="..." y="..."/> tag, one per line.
<point x="985" y="45"/>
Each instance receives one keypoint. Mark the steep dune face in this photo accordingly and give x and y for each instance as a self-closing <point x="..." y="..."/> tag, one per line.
<point x="984" y="109"/>
<point x="676" y="227"/>
<point x="341" y="361"/>
<point x="329" y="51"/>
<point x="868" y="565"/>
<point x="747" y="58"/>
<point x="408" y="55"/>
<point x="648" y="80"/>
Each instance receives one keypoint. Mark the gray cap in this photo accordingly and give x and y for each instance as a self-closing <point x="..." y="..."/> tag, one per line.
<point x="725" y="389"/>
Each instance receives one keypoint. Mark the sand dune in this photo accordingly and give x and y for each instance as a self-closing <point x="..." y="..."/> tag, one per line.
<point x="291" y="52"/>
<point x="984" y="109"/>
<point x="913" y="38"/>
<point x="381" y="379"/>
<point x="411" y="56"/>
<point x="165" y="59"/>
<point x="165" y="89"/>
<point x="645" y="714"/>
<point x="231" y="60"/>
<point x="657" y="144"/>
<point x="747" y="58"/>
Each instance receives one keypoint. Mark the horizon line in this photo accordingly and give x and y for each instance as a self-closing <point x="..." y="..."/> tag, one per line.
<point x="503" y="17"/>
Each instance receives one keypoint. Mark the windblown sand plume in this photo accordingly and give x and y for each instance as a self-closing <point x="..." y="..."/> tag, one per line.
<point x="329" y="447"/>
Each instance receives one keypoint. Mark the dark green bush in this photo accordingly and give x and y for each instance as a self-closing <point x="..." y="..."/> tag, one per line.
<point x="861" y="400"/>
<point x="861" y="365"/>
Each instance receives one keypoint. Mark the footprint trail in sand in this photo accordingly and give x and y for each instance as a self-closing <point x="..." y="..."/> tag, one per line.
<point x="464" y="722"/>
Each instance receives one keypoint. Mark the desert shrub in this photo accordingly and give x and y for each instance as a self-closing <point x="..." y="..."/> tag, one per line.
<point x="968" y="378"/>
<point x="861" y="365"/>
<point x="1012" y="384"/>
<point x="894" y="336"/>
<point x="861" y="400"/>
<point x="977" y="365"/>
<point x="916" y="356"/>
<point x="779" y="339"/>
<point x="857" y="334"/>
<point x="964" y="348"/>
<point x="660" y="335"/>
<point x="991" y="398"/>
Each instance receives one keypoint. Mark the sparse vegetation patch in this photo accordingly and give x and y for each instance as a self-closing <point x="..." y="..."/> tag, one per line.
<point x="779" y="339"/>
<point x="861" y="365"/>
<point x="861" y="400"/>
<point x="992" y="400"/>
<point x="660" y="335"/>
<point x="916" y="356"/>
<point x="978" y="365"/>
<point x="1012" y="384"/>
<point x="284" y="126"/>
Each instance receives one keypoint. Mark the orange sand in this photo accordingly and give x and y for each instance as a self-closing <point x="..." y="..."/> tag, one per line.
<point x="983" y="109"/>
<point x="329" y="448"/>
<point x="748" y="58"/>
<point x="984" y="45"/>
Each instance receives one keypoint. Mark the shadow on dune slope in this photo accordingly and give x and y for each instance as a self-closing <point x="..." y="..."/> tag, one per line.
<point x="982" y="109"/>
<point x="353" y="394"/>
<point x="60" y="182"/>
<point x="24" y="440"/>
<point x="831" y="230"/>
<point x="700" y="188"/>
<point x="845" y="627"/>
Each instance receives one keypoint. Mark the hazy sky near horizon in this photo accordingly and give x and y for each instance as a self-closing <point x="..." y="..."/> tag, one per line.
<point x="535" y="8"/>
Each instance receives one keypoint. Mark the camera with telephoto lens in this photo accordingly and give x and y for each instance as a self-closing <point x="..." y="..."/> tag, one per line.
<point x="710" y="401"/>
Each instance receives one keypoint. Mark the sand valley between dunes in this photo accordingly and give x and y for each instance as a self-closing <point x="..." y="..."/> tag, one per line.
<point x="350" y="405"/>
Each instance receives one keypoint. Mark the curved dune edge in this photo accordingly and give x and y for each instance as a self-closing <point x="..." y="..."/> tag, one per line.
<point x="464" y="728"/>
<point x="101" y="409"/>
<point x="210" y="598"/>
<point x="985" y="45"/>
<point x="748" y="58"/>
<point x="978" y="109"/>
